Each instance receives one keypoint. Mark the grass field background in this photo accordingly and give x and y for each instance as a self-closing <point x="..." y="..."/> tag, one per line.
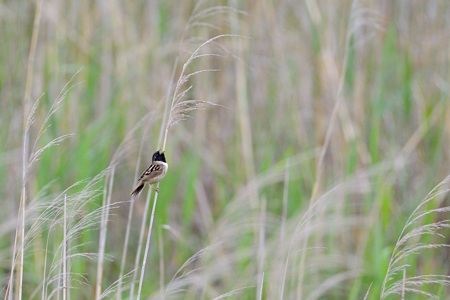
<point x="319" y="174"/>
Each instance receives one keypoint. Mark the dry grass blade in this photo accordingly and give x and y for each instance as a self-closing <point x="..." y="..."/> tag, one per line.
<point x="368" y="292"/>
<point x="207" y="17"/>
<point x="213" y="11"/>
<point x="331" y="283"/>
<point x="234" y="293"/>
<point x="178" y="281"/>
<point x="106" y="294"/>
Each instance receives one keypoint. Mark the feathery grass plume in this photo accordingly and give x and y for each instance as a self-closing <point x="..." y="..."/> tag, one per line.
<point x="179" y="108"/>
<point x="46" y="219"/>
<point x="77" y="222"/>
<point x="409" y="244"/>
<point x="29" y="159"/>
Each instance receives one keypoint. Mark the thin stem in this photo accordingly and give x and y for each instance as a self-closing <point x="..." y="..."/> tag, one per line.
<point x="141" y="238"/>
<point x="20" y="231"/>
<point x="128" y="229"/>
<point x="285" y="204"/>
<point x="147" y="245"/>
<point x="161" y="264"/>
<point x="165" y="127"/>
<point x="261" y="247"/>
<point x="166" y="109"/>
<point x="103" y="232"/>
<point x="64" y="252"/>
<point x="328" y="133"/>
<point x="124" y="251"/>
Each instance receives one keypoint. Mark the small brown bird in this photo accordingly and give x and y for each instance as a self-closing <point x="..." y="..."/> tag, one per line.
<point x="154" y="173"/>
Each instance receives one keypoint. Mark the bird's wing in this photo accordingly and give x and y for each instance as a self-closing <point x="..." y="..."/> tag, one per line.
<point x="153" y="171"/>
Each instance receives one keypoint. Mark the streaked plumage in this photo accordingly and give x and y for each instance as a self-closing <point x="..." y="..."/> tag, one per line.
<point x="154" y="173"/>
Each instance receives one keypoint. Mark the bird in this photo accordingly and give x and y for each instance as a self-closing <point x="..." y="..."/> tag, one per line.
<point x="154" y="173"/>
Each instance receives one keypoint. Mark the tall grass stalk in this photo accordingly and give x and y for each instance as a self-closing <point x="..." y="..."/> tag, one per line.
<point x="335" y="75"/>
<point x="161" y="260"/>
<point x="137" y="270"/>
<point x="103" y="231"/>
<point x="29" y="160"/>
<point x="179" y="111"/>
<point x="19" y="242"/>
<point x="147" y="202"/>
<point x="243" y="112"/>
<point x="285" y="203"/>
<point x="261" y="250"/>
<point x="147" y="245"/>
<point x="125" y="249"/>
<point x="246" y="135"/>
<point x="64" y="251"/>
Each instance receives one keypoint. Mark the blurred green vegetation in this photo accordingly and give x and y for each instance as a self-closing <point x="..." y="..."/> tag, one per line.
<point x="112" y="63"/>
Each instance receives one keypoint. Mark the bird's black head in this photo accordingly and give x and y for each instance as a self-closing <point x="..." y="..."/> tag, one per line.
<point x="159" y="156"/>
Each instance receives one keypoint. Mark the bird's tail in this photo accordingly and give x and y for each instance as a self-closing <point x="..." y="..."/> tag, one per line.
<point x="137" y="190"/>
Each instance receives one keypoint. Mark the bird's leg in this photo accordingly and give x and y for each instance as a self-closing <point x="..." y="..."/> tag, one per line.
<point x="155" y="188"/>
